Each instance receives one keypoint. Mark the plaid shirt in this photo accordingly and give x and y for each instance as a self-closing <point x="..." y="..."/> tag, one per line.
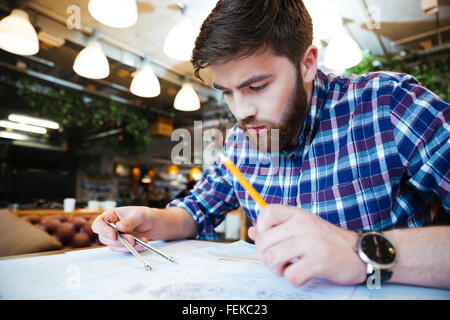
<point x="373" y="154"/>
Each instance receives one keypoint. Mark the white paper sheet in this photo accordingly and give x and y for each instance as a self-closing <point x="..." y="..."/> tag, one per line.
<point x="102" y="274"/>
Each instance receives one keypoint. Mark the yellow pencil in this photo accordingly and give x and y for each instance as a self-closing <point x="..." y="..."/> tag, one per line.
<point x="243" y="182"/>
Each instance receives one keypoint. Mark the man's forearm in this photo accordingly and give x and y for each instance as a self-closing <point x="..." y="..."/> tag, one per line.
<point x="423" y="256"/>
<point x="173" y="223"/>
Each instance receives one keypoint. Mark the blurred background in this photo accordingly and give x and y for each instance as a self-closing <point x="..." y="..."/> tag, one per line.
<point x="91" y="92"/>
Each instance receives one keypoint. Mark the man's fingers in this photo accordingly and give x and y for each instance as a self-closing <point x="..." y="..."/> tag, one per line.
<point x="117" y="245"/>
<point x="125" y="218"/>
<point x="273" y="215"/>
<point x="109" y="242"/>
<point x="252" y="232"/>
<point x="127" y="225"/>
<point x="130" y="218"/>
<point x="116" y="242"/>
<point x="101" y="228"/>
<point x="275" y="235"/>
<point x="282" y="254"/>
<point x="300" y="272"/>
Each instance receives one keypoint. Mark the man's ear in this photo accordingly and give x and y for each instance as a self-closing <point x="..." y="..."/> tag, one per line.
<point x="308" y="64"/>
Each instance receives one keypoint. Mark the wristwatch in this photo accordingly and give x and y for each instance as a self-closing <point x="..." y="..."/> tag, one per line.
<point x="378" y="252"/>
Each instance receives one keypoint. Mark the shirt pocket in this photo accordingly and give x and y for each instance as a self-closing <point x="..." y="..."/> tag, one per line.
<point x="350" y="205"/>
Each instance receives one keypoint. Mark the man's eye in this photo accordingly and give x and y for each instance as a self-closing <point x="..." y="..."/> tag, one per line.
<point x="258" y="88"/>
<point x="226" y="93"/>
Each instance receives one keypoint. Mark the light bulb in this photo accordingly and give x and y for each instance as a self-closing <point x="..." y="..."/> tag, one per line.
<point x="196" y="173"/>
<point x="342" y="52"/>
<point x="91" y="62"/>
<point x="114" y="13"/>
<point x="180" y="41"/>
<point x="173" y="170"/>
<point x="145" y="83"/>
<point x="17" y="35"/>
<point x="187" y="99"/>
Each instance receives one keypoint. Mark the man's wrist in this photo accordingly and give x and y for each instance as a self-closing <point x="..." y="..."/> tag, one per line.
<point x="361" y="265"/>
<point x="394" y="236"/>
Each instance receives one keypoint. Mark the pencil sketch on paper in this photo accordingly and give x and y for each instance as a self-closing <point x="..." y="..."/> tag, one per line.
<point x="270" y="294"/>
<point x="183" y="291"/>
<point x="199" y="275"/>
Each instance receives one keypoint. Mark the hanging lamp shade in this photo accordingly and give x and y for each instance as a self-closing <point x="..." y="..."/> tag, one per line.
<point x="187" y="99"/>
<point x="114" y="13"/>
<point x="91" y="62"/>
<point x="17" y="35"/>
<point x="145" y="83"/>
<point x="325" y="16"/>
<point x="180" y="41"/>
<point x="342" y="52"/>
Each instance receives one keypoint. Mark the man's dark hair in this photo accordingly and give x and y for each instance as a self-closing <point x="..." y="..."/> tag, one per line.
<point x="240" y="28"/>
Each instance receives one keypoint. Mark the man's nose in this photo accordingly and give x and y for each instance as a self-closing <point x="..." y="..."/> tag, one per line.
<point x="244" y="109"/>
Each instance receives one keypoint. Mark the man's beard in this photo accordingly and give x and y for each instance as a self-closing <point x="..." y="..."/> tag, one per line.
<point x="290" y="124"/>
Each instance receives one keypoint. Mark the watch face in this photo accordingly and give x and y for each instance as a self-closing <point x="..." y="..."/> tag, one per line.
<point x="378" y="249"/>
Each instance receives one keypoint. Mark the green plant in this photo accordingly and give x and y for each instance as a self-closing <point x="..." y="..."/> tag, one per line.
<point x="431" y="70"/>
<point x="76" y="111"/>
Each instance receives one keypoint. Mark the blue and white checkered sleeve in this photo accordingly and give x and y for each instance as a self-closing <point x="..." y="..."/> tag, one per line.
<point x="209" y="201"/>
<point x="421" y="126"/>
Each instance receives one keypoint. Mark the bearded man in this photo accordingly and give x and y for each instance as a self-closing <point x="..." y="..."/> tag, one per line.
<point x="360" y="163"/>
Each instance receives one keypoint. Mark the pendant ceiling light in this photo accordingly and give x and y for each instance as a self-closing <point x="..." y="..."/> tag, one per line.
<point x="196" y="173"/>
<point x="91" y="62"/>
<point x="173" y="170"/>
<point x="180" y="40"/>
<point x="325" y="16"/>
<point x="342" y="52"/>
<point x="17" y="35"/>
<point x="187" y="99"/>
<point x="114" y="13"/>
<point x="145" y="83"/>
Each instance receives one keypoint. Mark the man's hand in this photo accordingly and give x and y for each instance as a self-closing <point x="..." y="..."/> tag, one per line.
<point x="298" y="245"/>
<point x="137" y="221"/>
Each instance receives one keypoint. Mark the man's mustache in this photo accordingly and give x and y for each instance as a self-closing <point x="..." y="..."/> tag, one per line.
<point x="252" y="122"/>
